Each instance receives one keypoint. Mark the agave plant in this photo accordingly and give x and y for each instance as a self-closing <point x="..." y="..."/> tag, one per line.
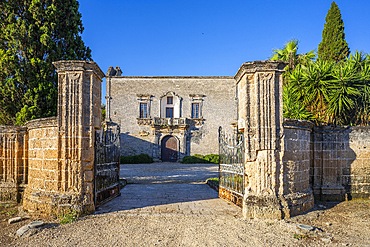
<point x="344" y="89"/>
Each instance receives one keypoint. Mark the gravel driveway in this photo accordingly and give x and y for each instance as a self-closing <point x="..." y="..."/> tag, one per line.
<point x="168" y="204"/>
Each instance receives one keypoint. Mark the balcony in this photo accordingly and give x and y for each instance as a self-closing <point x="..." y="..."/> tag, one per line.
<point x="171" y="122"/>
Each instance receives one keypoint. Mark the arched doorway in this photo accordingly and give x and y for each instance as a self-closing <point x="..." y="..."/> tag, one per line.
<point x="169" y="148"/>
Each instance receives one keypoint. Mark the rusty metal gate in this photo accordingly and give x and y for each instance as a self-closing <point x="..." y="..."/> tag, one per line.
<point x="107" y="153"/>
<point x="231" y="167"/>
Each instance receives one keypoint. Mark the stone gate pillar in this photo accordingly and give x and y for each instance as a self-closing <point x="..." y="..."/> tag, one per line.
<point x="79" y="116"/>
<point x="61" y="165"/>
<point x="268" y="180"/>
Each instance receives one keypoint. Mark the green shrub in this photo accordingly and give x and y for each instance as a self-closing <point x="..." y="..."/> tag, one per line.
<point x="198" y="158"/>
<point x="212" y="158"/>
<point x="136" y="159"/>
<point x="68" y="217"/>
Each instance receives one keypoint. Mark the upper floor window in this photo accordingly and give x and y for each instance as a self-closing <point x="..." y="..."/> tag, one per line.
<point x="195" y="107"/>
<point x="170" y="105"/>
<point x="144" y="110"/>
<point x="144" y="105"/>
<point x="169" y="112"/>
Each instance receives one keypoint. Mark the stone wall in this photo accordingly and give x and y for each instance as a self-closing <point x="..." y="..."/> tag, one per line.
<point x="43" y="172"/>
<point x="55" y="156"/>
<point x="341" y="163"/>
<point x="13" y="162"/>
<point x="296" y="162"/>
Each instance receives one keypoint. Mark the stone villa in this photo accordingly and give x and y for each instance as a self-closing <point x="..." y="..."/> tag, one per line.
<point x="170" y="117"/>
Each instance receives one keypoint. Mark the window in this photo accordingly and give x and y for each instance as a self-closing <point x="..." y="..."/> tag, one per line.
<point x="169" y="112"/>
<point x="144" y="101"/>
<point x="144" y="110"/>
<point x="170" y="105"/>
<point x="195" y="107"/>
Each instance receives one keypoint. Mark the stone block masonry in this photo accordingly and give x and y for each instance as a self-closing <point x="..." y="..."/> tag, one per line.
<point x="61" y="150"/>
<point x="215" y="96"/>
<point x="13" y="162"/>
<point x="341" y="163"/>
<point x="276" y="178"/>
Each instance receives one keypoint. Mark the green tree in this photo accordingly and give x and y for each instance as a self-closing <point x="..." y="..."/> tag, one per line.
<point x="333" y="46"/>
<point x="289" y="54"/>
<point x="34" y="34"/>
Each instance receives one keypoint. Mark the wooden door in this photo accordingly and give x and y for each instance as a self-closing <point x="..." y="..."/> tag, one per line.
<point x="169" y="149"/>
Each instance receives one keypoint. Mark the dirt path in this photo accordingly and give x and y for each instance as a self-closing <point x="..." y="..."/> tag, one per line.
<point x="185" y="212"/>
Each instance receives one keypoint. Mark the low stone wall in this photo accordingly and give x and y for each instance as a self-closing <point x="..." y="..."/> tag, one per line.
<point x="356" y="176"/>
<point x="341" y="167"/>
<point x="43" y="169"/>
<point x="296" y="162"/>
<point x="13" y="162"/>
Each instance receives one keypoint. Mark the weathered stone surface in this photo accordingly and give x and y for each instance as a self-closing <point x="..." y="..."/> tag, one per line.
<point x="14" y="220"/>
<point x="215" y="95"/>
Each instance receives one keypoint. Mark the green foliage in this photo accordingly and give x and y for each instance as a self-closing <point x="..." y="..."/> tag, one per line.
<point x="329" y="92"/>
<point x="333" y="46"/>
<point x="136" y="159"/>
<point x="199" y="158"/>
<point x="289" y="54"/>
<point x="103" y="112"/>
<point x="67" y="218"/>
<point x="300" y="236"/>
<point x="34" y="34"/>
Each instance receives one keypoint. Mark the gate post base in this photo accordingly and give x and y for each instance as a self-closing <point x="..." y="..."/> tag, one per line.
<point x="56" y="204"/>
<point x="273" y="207"/>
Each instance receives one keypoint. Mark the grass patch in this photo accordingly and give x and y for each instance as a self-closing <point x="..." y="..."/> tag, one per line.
<point x="199" y="158"/>
<point x="136" y="159"/>
<point x="213" y="183"/>
<point x="68" y="218"/>
<point x="8" y="209"/>
<point x="300" y="236"/>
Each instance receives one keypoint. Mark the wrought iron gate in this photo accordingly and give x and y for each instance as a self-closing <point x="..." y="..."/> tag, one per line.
<point x="231" y="167"/>
<point x="107" y="153"/>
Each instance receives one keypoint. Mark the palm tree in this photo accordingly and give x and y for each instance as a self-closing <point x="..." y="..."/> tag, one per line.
<point x="289" y="55"/>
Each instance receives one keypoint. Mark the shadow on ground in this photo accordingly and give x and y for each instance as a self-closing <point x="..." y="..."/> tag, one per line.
<point x="162" y="184"/>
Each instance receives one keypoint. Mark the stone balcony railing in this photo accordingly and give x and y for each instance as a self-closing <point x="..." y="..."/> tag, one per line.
<point x="171" y="122"/>
<point x="162" y="122"/>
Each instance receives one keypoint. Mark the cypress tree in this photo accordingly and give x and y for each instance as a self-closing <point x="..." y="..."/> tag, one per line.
<point x="34" y="34"/>
<point x="333" y="46"/>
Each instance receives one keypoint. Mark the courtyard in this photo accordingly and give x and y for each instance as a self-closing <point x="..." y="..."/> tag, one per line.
<point x="169" y="204"/>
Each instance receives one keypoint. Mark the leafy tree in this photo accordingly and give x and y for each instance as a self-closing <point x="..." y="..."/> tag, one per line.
<point x="33" y="34"/>
<point x="333" y="46"/>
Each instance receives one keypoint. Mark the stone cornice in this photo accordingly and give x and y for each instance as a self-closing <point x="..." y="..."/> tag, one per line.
<point x="258" y="66"/>
<point x="42" y="123"/>
<point x="78" y="65"/>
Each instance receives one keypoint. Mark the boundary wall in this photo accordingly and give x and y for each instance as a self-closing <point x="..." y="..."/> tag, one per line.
<point x="48" y="164"/>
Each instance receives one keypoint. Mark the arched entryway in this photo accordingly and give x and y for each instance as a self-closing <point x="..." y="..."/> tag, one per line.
<point x="169" y="148"/>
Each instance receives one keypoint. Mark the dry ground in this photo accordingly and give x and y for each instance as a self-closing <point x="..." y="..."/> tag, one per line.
<point x="343" y="224"/>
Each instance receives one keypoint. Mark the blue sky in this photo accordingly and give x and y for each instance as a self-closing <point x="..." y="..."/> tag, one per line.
<point x="203" y="37"/>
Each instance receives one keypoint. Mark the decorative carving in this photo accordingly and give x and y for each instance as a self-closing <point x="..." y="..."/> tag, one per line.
<point x="198" y="121"/>
<point x="74" y="77"/>
<point x="144" y="121"/>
